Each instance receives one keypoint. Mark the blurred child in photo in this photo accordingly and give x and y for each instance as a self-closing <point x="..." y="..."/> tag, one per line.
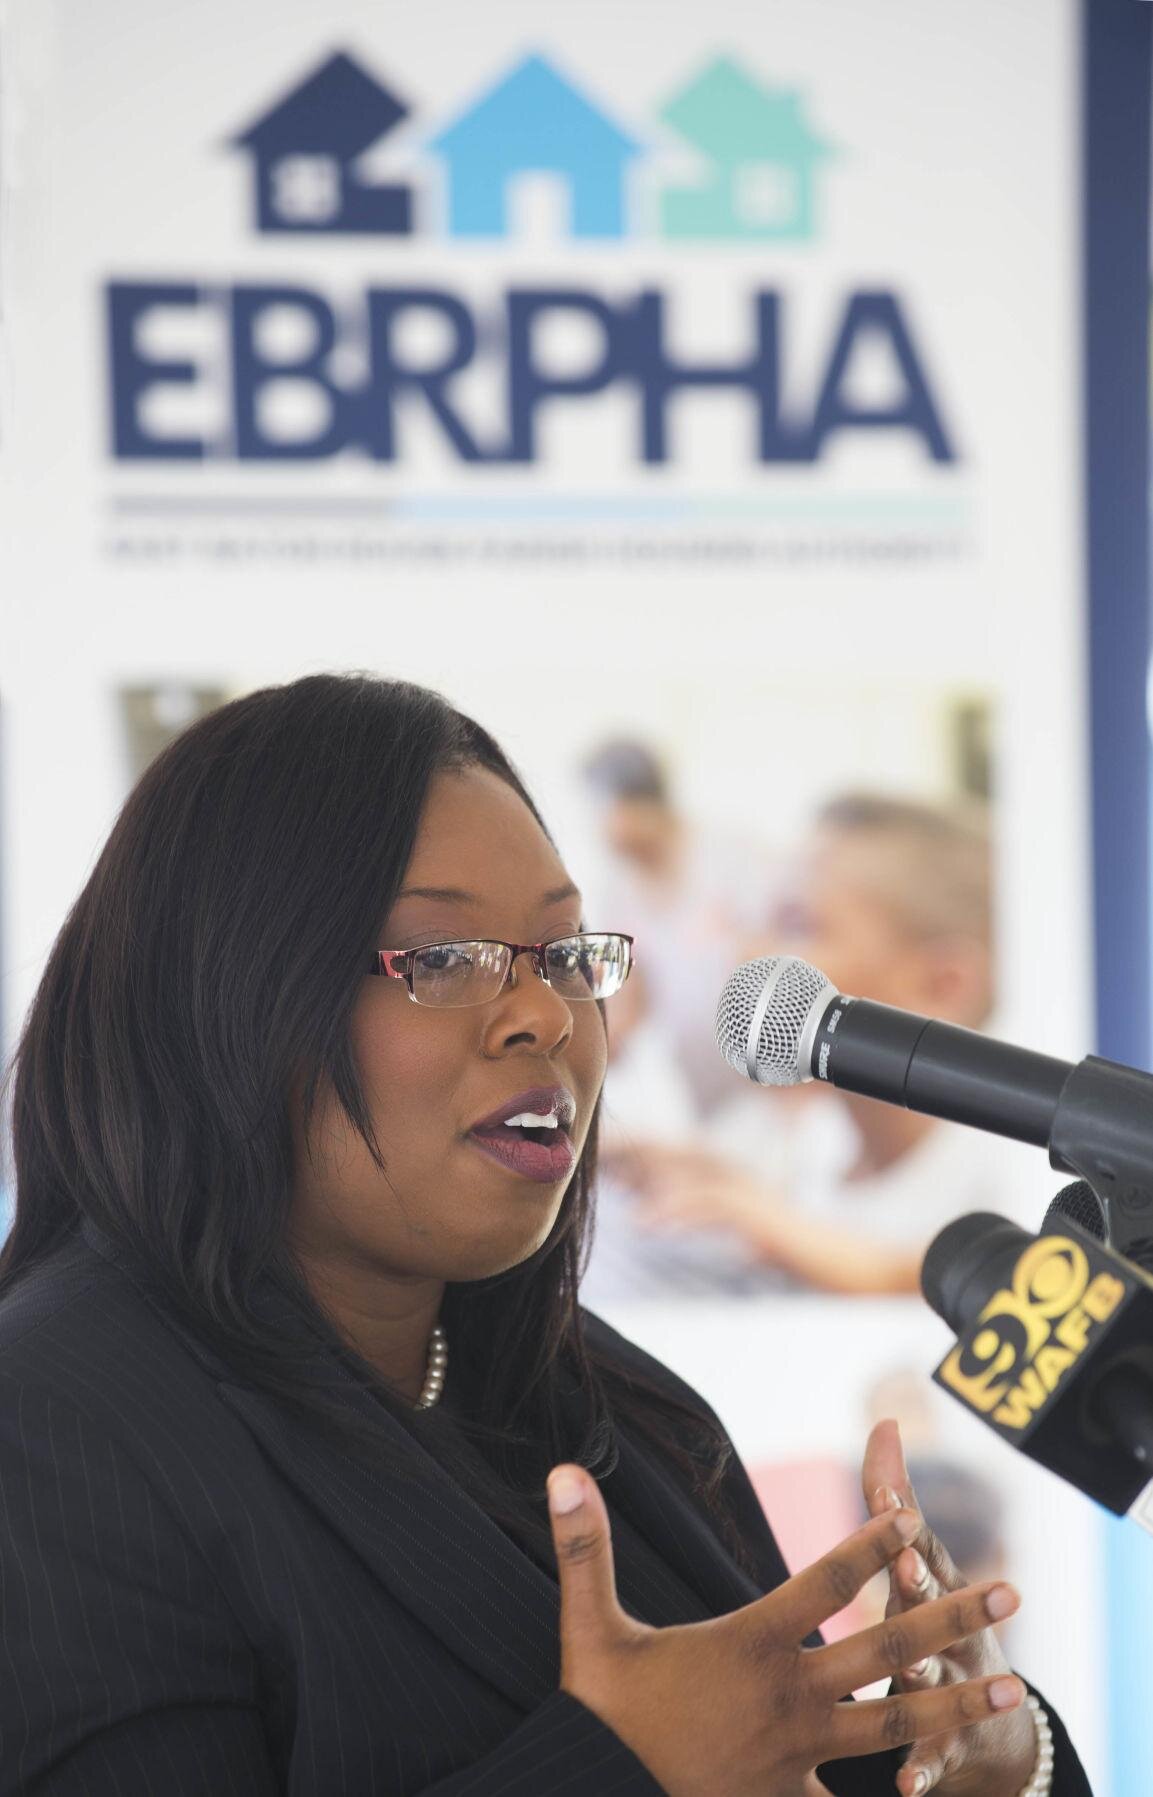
<point x="892" y="899"/>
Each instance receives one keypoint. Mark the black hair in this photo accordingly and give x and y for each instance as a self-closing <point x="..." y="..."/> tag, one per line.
<point x="217" y="948"/>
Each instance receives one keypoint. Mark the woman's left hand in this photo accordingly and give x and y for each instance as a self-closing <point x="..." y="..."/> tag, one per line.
<point x="990" y="1759"/>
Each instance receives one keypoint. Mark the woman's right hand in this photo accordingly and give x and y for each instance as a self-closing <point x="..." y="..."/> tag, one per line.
<point x="736" y="1706"/>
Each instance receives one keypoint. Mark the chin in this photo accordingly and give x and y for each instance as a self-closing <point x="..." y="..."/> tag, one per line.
<point x="487" y="1260"/>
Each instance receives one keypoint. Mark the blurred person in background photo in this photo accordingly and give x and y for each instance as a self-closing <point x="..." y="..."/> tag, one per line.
<point x="691" y="891"/>
<point x="892" y="899"/>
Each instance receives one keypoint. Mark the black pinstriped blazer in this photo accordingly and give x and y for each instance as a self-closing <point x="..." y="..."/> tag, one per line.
<point x="200" y="1598"/>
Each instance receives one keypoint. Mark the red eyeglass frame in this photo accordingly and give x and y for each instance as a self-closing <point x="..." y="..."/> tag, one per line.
<point x="396" y="963"/>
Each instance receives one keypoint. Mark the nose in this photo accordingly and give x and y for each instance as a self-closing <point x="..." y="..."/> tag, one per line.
<point x="527" y="1013"/>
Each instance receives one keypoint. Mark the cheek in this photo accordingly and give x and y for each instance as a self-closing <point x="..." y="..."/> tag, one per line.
<point x="409" y="1066"/>
<point x="855" y="952"/>
<point x="589" y="1046"/>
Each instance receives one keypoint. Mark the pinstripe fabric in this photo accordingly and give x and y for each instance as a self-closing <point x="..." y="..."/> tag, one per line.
<point x="199" y="1597"/>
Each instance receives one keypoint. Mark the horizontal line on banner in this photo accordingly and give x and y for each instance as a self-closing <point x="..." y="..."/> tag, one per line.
<point x="858" y="507"/>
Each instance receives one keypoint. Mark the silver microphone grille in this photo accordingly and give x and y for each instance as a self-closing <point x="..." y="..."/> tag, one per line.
<point x="767" y="1018"/>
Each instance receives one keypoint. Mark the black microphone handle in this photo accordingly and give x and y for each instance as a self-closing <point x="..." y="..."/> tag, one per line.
<point x="940" y="1069"/>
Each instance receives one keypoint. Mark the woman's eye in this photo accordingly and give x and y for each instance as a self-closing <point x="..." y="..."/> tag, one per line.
<point x="440" y="959"/>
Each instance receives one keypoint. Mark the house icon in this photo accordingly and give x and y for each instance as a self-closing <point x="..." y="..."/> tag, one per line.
<point x="534" y="120"/>
<point x="761" y="153"/>
<point x="305" y="150"/>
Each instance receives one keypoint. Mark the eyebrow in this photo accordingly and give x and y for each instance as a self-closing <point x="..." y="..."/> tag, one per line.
<point x="454" y="895"/>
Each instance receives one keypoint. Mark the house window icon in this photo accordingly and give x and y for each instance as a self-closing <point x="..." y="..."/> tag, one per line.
<point x="765" y="195"/>
<point x="306" y="190"/>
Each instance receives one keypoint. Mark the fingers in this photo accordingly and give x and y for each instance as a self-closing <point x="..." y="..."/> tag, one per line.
<point x="914" y="1582"/>
<point x="812" y="1596"/>
<point x="916" y="1778"/>
<point x="885" y="1479"/>
<point x="886" y="1722"/>
<point x="884" y="1465"/>
<point x="938" y="1560"/>
<point x="589" y="1609"/>
<point x="938" y="1570"/>
<point x="884" y="1452"/>
<point x="905" y="1640"/>
<point x="910" y="1584"/>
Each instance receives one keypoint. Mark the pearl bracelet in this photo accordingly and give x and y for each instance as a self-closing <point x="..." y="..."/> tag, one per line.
<point x="1041" y="1781"/>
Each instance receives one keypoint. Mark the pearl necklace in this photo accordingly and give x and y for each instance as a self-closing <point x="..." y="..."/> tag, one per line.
<point x="437" y="1366"/>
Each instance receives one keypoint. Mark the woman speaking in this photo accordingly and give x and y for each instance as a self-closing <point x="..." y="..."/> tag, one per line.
<point x="315" y="1477"/>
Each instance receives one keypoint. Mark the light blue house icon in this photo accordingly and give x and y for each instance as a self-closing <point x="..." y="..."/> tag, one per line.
<point x="760" y="155"/>
<point x="534" y="120"/>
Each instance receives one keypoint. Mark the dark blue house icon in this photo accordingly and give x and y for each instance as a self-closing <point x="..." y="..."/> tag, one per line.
<point x="534" y="121"/>
<point x="305" y="151"/>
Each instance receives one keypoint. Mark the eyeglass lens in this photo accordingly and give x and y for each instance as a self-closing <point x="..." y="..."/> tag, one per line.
<point x="468" y="973"/>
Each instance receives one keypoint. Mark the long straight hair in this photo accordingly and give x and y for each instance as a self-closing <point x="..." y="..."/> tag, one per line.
<point x="217" y="948"/>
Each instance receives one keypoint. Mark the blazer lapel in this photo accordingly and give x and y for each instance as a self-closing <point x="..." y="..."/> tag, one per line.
<point x="415" y="1528"/>
<point x="426" y="1540"/>
<point x="418" y="1532"/>
<point x="666" y="1516"/>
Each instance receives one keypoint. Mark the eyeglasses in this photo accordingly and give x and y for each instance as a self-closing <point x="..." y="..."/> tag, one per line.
<point x="470" y="973"/>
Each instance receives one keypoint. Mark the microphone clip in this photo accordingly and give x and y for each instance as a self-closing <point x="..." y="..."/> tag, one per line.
<point x="1101" y="1132"/>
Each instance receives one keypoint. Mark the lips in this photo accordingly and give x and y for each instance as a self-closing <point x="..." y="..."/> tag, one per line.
<point x="547" y="1156"/>
<point x="541" y="1101"/>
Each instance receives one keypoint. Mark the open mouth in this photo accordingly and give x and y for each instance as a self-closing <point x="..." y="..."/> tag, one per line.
<point x="520" y="1132"/>
<point x="539" y="1152"/>
<point x="531" y="1134"/>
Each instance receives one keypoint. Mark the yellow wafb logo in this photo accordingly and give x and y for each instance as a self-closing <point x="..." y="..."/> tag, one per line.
<point x="1031" y="1333"/>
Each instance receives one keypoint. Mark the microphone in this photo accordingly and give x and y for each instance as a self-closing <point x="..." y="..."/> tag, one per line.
<point x="780" y="1022"/>
<point x="1054" y="1348"/>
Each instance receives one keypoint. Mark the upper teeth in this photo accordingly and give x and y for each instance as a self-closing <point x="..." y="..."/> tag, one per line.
<point x="529" y="1120"/>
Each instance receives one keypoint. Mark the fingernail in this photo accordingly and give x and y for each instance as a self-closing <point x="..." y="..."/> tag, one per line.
<point x="920" y="1784"/>
<point x="1001" y="1602"/>
<point x="885" y="1498"/>
<point x="565" y="1493"/>
<point x="919" y="1670"/>
<point x="1005" y="1693"/>
<point x="920" y="1573"/>
<point x="908" y="1528"/>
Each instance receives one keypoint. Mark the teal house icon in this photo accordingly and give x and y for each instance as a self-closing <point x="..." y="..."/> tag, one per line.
<point x="535" y="121"/>
<point x="761" y="157"/>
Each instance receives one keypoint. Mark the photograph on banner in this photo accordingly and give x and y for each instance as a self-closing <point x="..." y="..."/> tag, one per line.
<point x="880" y="876"/>
<point x="767" y="1242"/>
